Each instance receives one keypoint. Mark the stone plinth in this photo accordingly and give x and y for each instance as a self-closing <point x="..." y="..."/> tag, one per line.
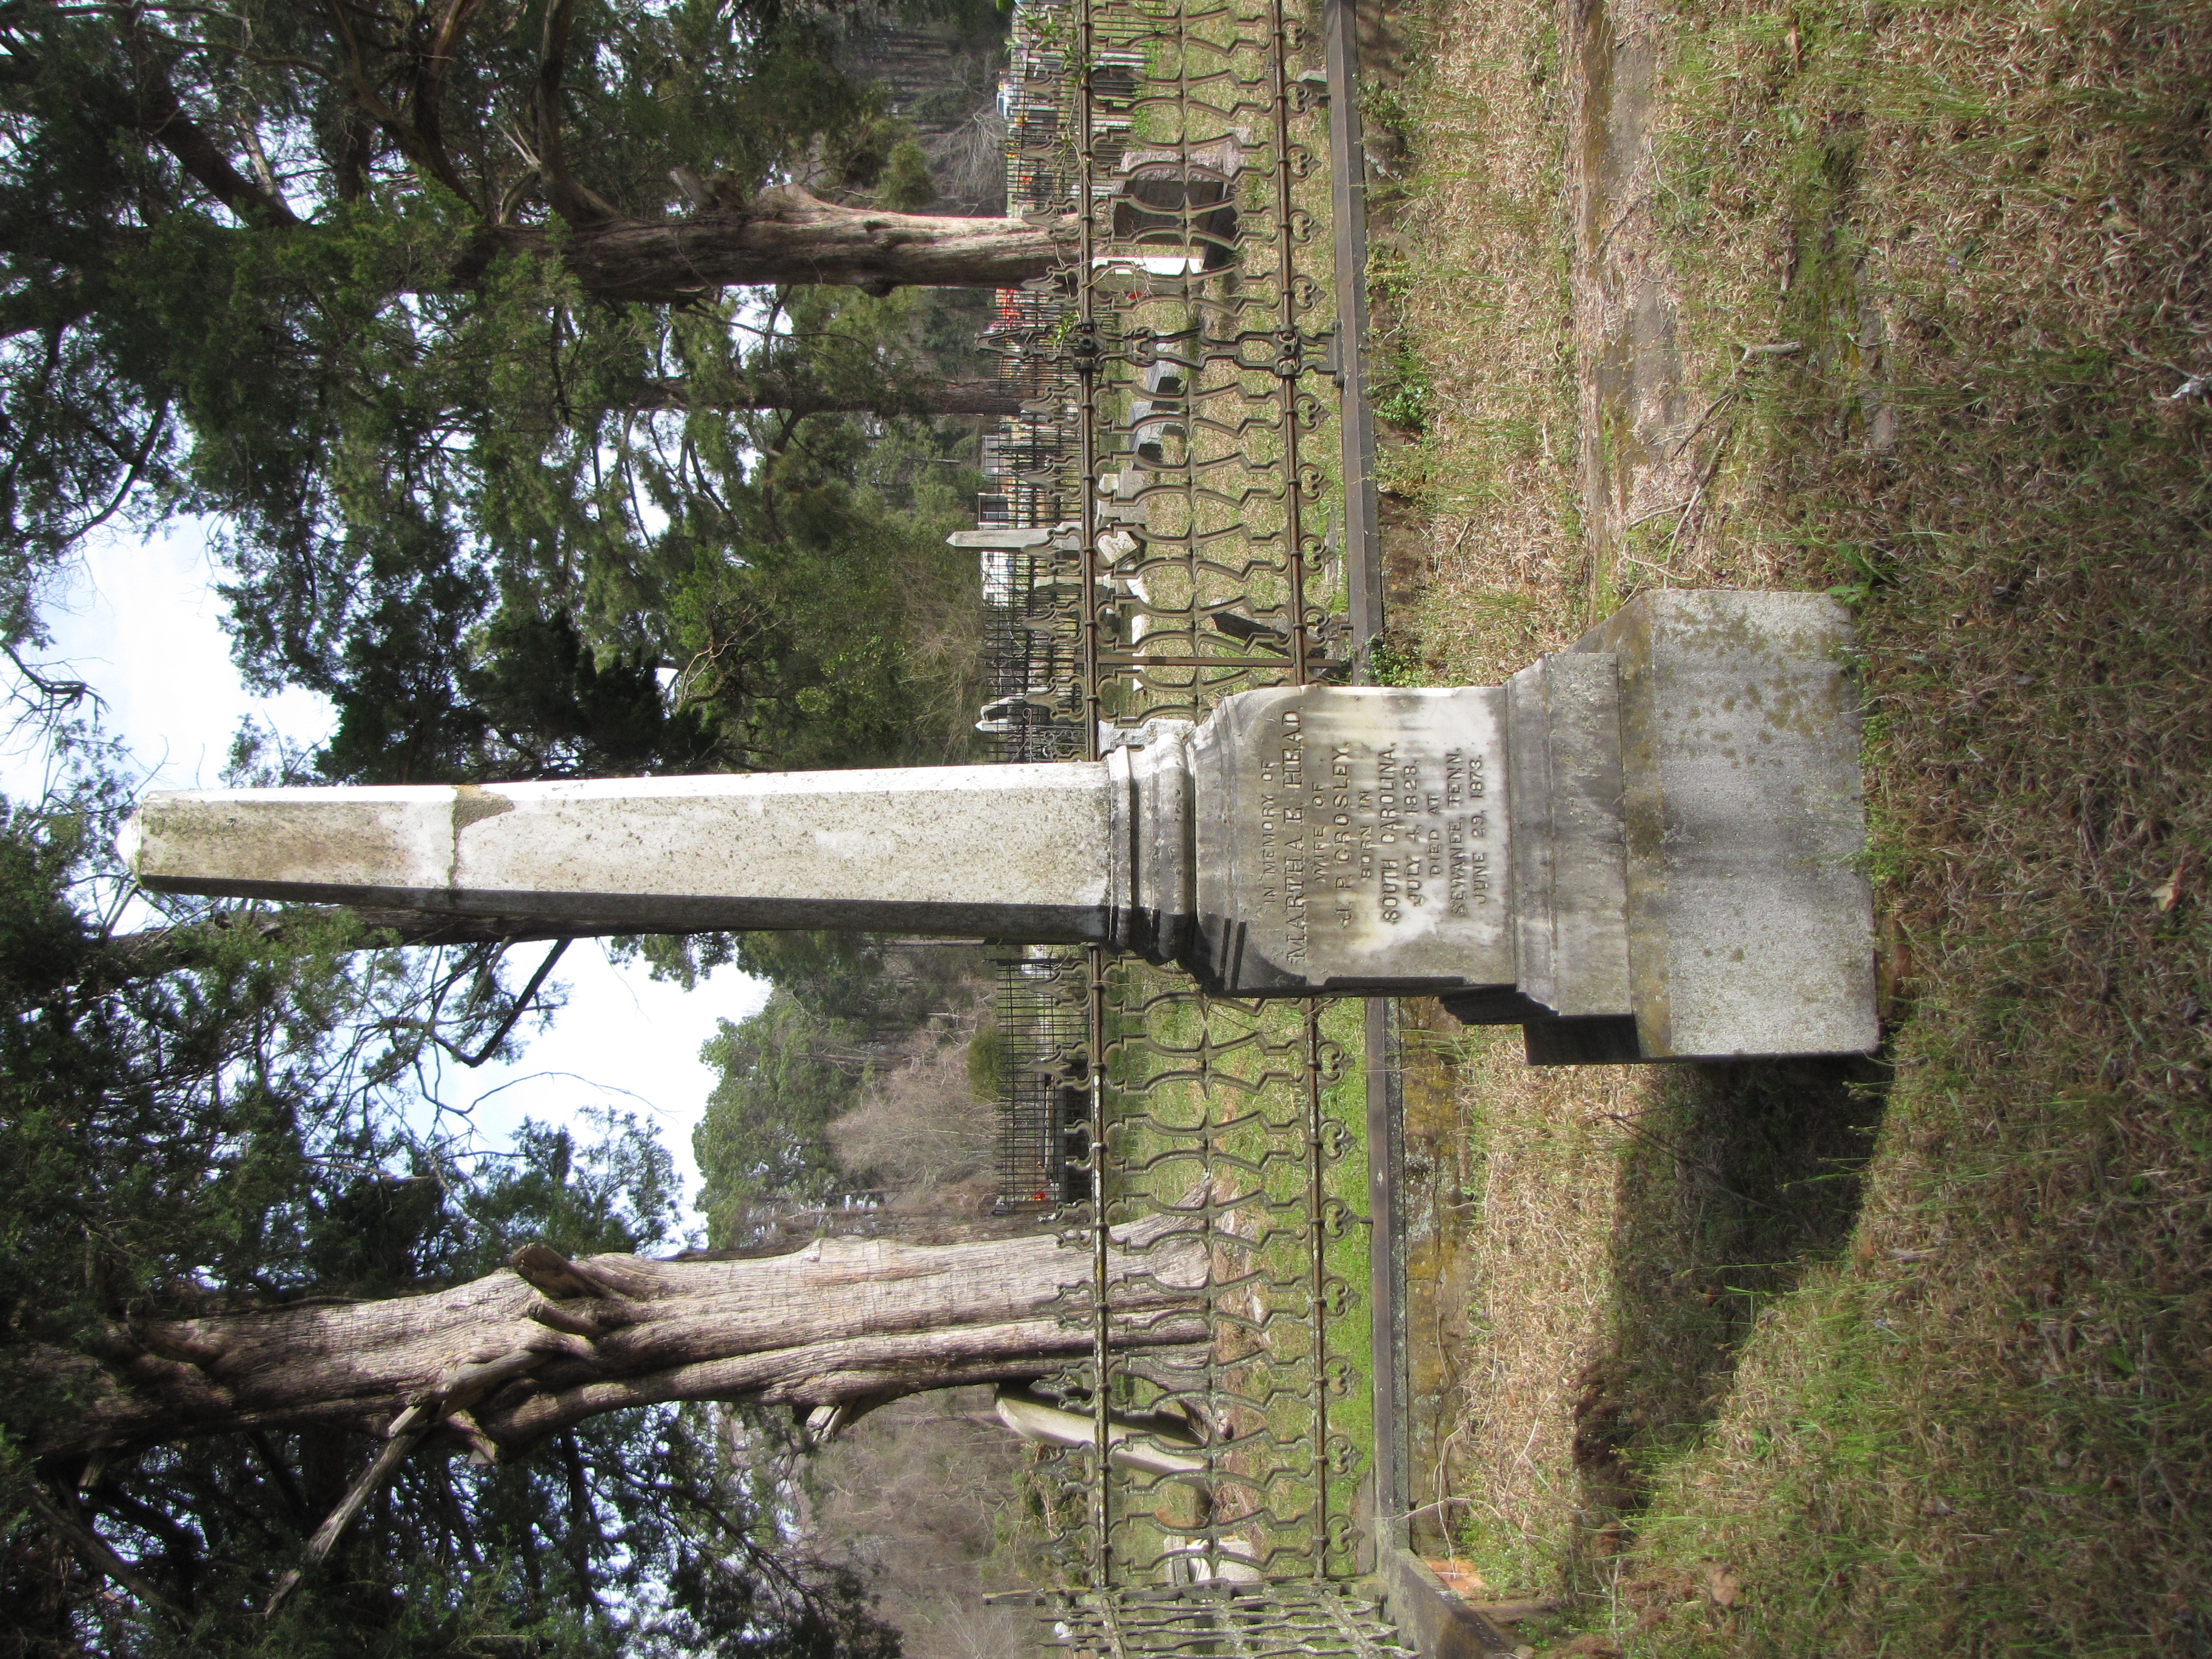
<point x="1645" y="849"/>
<point x="1750" y="923"/>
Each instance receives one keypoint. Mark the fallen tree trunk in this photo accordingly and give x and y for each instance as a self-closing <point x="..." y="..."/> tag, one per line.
<point x="786" y="235"/>
<point x="501" y="1362"/>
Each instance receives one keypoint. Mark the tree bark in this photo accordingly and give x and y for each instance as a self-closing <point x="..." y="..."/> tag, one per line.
<point x="788" y="235"/>
<point x="509" y="1359"/>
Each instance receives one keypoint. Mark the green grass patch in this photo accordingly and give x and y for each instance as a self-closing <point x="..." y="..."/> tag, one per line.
<point x="1923" y="1371"/>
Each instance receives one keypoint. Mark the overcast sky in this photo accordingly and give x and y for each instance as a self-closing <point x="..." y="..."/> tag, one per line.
<point x="142" y="624"/>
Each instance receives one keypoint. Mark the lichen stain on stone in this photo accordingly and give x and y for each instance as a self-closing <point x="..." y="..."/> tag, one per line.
<point x="273" y="843"/>
<point x="473" y="804"/>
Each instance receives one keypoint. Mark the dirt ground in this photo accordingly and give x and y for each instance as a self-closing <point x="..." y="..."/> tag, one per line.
<point x="1910" y="1355"/>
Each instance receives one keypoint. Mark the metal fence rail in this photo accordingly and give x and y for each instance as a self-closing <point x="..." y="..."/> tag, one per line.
<point x="1278" y="1622"/>
<point x="1180" y="442"/>
<point x="1044" y="1126"/>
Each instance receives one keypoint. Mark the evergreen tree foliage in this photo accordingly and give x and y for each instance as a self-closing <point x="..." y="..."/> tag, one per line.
<point x="763" y="1147"/>
<point x="511" y="523"/>
<point x="241" y="1135"/>
<point x="843" y="1006"/>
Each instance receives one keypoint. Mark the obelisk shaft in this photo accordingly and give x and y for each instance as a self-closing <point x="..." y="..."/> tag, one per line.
<point x="1005" y="852"/>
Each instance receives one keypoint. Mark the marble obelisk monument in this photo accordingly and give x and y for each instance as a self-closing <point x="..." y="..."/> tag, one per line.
<point x="1646" y="847"/>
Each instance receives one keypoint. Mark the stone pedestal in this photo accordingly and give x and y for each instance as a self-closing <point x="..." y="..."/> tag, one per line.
<point x="1750" y="922"/>
<point x="1644" y="848"/>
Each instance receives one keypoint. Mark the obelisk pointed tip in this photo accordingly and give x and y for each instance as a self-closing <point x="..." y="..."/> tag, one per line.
<point x="129" y="839"/>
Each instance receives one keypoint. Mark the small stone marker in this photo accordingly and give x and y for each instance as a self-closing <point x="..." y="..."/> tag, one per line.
<point x="1644" y="848"/>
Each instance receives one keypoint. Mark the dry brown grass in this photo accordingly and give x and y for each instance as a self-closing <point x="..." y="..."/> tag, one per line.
<point x="1471" y="275"/>
<point x="1976" y="1416"/>
<point x="1551" y="1145"/>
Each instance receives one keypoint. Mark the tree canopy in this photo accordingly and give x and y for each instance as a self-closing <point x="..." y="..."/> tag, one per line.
<point x="639" y="592"/>
<point x="424" y="308"/>
<point x="342" y="276"/>
<point x="249" y="1133"/>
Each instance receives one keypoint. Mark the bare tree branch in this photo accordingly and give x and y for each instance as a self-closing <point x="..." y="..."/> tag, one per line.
<point x="97" y="1554"/>
<point x="54" y="697"/>
<point x="120" y="959"/>
<point x="521" y="1007"/>
<point x="571" y="200"/>
<point x="406" y="1433"/>
<point x="161" y="118"/>
<point x="428" y="155"/>
<point x="425" y="107"/>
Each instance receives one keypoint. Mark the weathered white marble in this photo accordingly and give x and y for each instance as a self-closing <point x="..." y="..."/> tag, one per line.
<point x="1004" y="851"/>
<point x="1750" y="921"/>
<point x="1571" y="880"/>
<point x="1354" y="837"/>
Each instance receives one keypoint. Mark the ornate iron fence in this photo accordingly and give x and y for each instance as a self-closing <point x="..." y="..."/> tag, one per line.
<point x="1044" y="1106"/>
<point x="1179" y="451"/>
<point x="1279" y="1622"/>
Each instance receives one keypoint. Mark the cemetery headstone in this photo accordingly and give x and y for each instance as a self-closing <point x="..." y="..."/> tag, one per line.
<point x="1645" y="848"/>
